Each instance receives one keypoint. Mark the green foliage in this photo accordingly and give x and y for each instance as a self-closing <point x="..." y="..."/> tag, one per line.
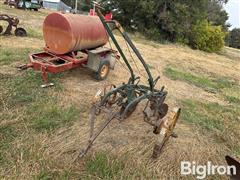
<point x="234" y="38"/>
<point x="207" y="37"/>
<point x="168" y="20"/>
<point x="217" y="15"/>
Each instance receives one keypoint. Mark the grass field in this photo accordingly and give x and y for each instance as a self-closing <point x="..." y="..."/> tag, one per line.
<point x="42" y="130"/>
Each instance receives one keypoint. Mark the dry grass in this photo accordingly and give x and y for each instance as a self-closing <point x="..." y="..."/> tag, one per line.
<point x="28" y="153"/>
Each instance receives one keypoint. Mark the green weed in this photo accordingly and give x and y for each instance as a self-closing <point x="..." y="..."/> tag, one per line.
<point x="25" y="88"/>
<point x="50" y="116"/>
<point x="102" y="167"/>
<point x="43" y="113"/>
<point x="7" y="135"/>
<point x="105" y="166"/>
<point x="220" y="122"/>
<point x="232" y="99"/>
<point x="200" y="81"/>
<point x="226" y="87"/>
<point x="198" y="113"/>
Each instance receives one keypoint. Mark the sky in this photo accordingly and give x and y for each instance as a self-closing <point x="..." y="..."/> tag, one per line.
<point x="233" y="10"/>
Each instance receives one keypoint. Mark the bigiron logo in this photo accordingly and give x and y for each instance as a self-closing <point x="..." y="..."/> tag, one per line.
<point x="202" y="171"/>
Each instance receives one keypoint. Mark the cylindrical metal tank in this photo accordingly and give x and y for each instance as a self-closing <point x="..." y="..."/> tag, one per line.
<point x="64" y="33"/>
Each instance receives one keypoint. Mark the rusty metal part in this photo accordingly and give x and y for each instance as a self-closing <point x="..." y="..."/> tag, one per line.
<point x="12" y="22"/>
<point x="166" y="131"/>
<point x="64" y="33"/>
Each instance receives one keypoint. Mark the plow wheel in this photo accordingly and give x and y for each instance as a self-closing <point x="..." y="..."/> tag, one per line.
<point x="20" y="32"/>
<point x="166" y="131"/>
<point x="111" y="99"/>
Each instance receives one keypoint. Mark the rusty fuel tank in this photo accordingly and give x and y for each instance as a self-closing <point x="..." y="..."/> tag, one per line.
<point x="64" y="33"/>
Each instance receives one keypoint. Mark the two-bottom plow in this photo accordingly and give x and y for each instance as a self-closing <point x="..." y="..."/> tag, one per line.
<point x="119" y="103"/>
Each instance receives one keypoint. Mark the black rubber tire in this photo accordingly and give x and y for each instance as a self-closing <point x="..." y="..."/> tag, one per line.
<point x="20" y="32"/>
<point x="98" y="75"/>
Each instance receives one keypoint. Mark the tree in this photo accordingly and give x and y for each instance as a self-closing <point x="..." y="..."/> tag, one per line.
<point x="167" y="19"/>
<point x="234" y="38"/>
<point x="217" y="15"/>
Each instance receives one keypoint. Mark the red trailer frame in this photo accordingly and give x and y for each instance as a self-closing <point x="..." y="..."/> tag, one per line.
<point x="48" y="62"/>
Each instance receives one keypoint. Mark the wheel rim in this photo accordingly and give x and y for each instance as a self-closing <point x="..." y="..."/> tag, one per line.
<point x="104" y="71"/>
<point x="103" y="91"/>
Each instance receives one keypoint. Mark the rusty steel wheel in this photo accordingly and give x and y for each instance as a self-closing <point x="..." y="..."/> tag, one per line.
<point x="103" y="70"/>
<point x="166" y="131"/>
<point x="102" y="92"/>
<point x="20" y="32"/>
<point x="111" y="99"/>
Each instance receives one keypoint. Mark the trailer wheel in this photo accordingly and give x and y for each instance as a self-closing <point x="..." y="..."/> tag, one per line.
<point x="103" y="70"/>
